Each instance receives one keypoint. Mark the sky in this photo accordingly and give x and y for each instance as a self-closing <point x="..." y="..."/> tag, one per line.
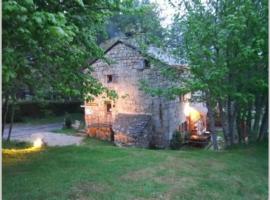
<point x="167" y="11"/>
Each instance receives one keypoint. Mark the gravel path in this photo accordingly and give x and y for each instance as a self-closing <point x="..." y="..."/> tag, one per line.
<point x="30" y="133"/>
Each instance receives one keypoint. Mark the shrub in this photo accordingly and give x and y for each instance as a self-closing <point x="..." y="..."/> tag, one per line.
<point x="15" y="144"/>
<point x="32" y="109"/>
<point x="68" y="121"/>
<point x="155" y="142"/>
<point x="176" y="141"/>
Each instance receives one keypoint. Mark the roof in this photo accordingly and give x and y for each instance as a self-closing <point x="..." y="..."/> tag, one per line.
<point x="131" y="124"/>
<point x="151" y="51"/>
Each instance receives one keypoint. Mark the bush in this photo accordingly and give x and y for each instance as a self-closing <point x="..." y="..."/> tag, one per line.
<point x="176" y="141"/>
<point x="152" y="144"/>
<point x="68" y="121"/>
<point x="33" y="109"/>
<point x="15" y="144"/>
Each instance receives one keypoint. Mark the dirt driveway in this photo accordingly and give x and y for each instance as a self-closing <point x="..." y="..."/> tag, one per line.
<point x="30" y="133"/>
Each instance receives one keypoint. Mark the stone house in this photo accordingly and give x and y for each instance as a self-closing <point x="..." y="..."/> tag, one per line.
<point x="135" y="118"/>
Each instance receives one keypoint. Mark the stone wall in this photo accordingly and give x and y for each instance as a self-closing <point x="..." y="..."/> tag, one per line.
<point x="127" y="69"/>
<point x="104" y="133"/>
<point x="132" y="130"/>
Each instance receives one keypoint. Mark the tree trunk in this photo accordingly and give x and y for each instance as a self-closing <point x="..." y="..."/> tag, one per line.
<point x="5" y="113"/>
<point x="234" y="125"/>
<point x="224" y="122"/>
<point x="230" y="120"/>
<point x="258" y="114"/>
<point x="264" y="125"/>
<point x="239" y="128"/>
<point x="212" y="129"/>
<point x="249" y="119"/>
<point x="11" y="121"/>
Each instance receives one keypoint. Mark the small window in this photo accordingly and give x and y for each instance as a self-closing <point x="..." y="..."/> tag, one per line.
<point x="109" y="78"/>
<point x="146" y="63"/>
<point x="109" y="107"/>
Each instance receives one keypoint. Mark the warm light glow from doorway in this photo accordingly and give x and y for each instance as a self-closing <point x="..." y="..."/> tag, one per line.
<point x="191" y="112"/>
<point x="187" y="109"/>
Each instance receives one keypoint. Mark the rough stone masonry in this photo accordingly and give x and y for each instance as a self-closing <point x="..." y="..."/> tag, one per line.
<point x="135" y="118"/>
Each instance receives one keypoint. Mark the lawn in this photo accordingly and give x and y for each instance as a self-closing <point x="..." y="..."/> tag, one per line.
<point x="99" y="170"/>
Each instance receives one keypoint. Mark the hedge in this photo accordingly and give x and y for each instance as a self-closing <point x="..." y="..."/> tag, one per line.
<point x="43" y="109"/>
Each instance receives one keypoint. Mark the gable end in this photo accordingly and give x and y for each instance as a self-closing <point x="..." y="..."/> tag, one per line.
<point x="112" y="46"/>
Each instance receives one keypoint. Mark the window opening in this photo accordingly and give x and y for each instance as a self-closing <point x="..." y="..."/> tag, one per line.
<point x="109" y="78"/>
<point x="109" y="107"/>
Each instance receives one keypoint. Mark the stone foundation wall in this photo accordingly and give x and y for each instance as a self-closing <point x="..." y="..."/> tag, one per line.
<point x="122" y="139"/>
<point x="102" y="133"/>
<point x="132" y="130"/>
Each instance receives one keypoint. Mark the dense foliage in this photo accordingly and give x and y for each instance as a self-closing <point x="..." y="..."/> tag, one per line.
<point x="225" y="45"/>
<point x="46" y="45"/>
<point x="176" y="141"/>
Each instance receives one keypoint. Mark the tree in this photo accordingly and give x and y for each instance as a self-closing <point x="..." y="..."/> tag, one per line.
<point x="225" y="46"/>
<point x="46" y="45"/>
<point x="141" y="20"/>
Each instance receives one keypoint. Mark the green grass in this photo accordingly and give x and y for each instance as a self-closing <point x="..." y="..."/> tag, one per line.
<point x="15" y="144"/>
<point x="99" y="170"/>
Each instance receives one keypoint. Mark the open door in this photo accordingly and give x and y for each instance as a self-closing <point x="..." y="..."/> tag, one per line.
<point x="196" y="125"/>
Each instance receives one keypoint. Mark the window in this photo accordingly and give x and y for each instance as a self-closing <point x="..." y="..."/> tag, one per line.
<point x="146" y="63"/>
<point x="109" y="107"/>
<point x="109" y="78"/>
